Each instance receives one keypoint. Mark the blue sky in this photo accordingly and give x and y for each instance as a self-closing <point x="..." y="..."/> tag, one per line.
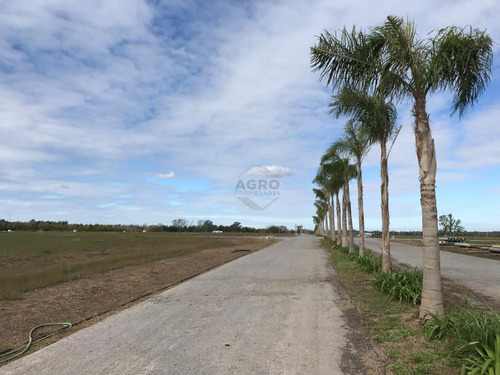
<point x="145" y="111"/>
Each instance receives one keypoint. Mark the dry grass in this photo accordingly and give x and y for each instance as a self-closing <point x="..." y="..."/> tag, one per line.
<point x="30" y="260"/>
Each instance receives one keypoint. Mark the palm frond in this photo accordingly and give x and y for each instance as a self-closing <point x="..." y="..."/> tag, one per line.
<point x="402" y="59"/>
<point x="344" y="58"/>
<point x="462" y="61"/>
<point x="376" y="115"/>
<point x="357" y="139"/>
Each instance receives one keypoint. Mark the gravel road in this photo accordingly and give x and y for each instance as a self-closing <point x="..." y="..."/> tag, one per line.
<point x="275" y="311"/>
<point x="479" y="274"/>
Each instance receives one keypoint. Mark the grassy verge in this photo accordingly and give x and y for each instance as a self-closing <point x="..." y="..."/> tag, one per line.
<point x="395" y="326"/>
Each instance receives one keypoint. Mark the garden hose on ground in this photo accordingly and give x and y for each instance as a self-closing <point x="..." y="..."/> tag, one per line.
<point x="14" y="353"/>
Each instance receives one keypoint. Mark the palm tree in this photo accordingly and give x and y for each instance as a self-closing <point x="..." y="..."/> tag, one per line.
<point x="335" y="184"/>
<point x="321" y="211"/>
<point x="356" y="143"/>
<point x="324" y="181"/>
<point x="377" y="118"/>
<point x="339" y="214"/>
<point x="316" y="222"/>
<point x="322" y="195"/>
<point x="330" y="180"/>
<point x="340" y="167"/>
<point x="392" y="60"/>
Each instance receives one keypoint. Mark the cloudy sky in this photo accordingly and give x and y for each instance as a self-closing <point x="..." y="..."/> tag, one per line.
<point x="138" y="111"/>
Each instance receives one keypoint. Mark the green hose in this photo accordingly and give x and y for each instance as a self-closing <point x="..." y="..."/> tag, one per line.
<point x="14" y="353"/>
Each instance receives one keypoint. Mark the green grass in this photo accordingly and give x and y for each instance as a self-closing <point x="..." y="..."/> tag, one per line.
<point x="470" y="334"/>
<point x="34" y="260"/>
<point x="394" y="326"/>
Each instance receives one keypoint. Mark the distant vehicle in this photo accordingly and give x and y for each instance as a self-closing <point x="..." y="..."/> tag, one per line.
<point x="375" y="234"/>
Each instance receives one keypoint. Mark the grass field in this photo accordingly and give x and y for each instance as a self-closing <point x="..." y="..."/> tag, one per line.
<point x="31" y="260"/>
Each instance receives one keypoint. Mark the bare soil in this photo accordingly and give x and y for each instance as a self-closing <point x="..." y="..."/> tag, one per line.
<point x="85" y="301"/>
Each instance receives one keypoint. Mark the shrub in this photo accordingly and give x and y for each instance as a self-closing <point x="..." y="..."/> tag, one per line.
<point x="485" y="361"/>
<point x="474" y="336"/>
<point x="370" y="263"/>
<point x="354" y="256"/>
<point x="401" y="285"/>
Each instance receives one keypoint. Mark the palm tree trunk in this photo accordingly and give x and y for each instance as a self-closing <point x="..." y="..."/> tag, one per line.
<point x="361" y="214"/>
<point x="432" y="288"/>
<point x="349" y="216"/>
<point x="332" y="218"/>
<point x="325" y="223"/>
<point x="339" y="219"/>
<point x="384" y="193"/>
<point x="345" y="241"/>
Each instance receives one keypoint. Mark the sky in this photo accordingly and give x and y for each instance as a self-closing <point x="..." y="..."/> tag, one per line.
<point x="142" y="112"/>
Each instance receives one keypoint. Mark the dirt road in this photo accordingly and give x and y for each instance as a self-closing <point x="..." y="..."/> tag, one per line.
<point x="276" y="311"/>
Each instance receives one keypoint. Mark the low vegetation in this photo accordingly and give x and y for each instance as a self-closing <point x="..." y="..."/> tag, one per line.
<point x="466" y="340"/>
<point x="32" y="260"/>
<point x="473" y="334"/>
<point x="402" y="285"/>
<point x="368" y="262"/>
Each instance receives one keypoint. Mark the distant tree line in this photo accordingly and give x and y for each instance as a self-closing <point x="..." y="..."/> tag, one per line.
<point x="178" y="225"/>
<point x="40" y="225"/>
<point x="182" y="225"/>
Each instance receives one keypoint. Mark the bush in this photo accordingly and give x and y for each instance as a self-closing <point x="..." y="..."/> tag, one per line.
<point x="354" y="256"/>
<point x="401" y="285"/>
<point x="474" y="336"/>
<point x="370" y="263"/>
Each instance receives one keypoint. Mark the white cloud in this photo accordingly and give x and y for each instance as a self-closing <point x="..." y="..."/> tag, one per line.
<point x="96" y="96"/>
<point x="166" y="175"/>
<point x="270" y="171"/>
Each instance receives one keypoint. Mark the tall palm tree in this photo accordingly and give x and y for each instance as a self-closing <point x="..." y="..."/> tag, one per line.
<point x="326" y="183"/>
<point x="340" y="166"/>
<point x="332" y="181"/>
<point x="321" y="211"/>
<point x="339" y="214"/>
<point x="317" y="223"/>
<point x="356" y="143"/>
<point x="322" y="194"/>
<point x="393" y="60"/>
<point x="377" y="118"/>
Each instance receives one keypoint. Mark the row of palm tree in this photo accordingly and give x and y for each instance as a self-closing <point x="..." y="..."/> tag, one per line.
<point x="369" y="72"/>
<point x="372" y="122"/>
